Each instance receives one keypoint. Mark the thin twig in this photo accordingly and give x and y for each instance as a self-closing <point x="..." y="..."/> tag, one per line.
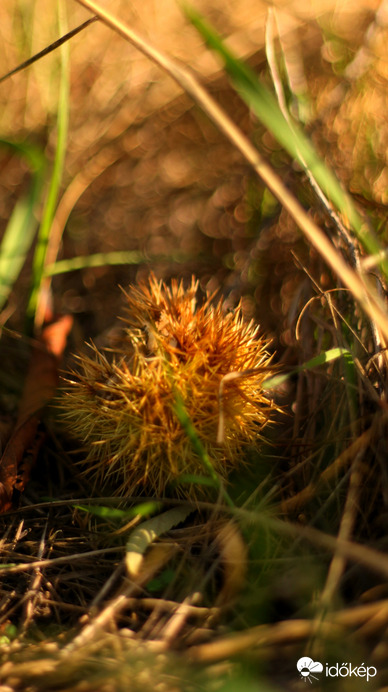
<point x="178" y="618"/>
<point x="48" y="49"/>
<point x="65" y="560"/>
<point x="35" y="582"/>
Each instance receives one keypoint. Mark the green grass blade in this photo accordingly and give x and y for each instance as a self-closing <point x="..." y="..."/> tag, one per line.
<point x="188" y="427"/>
<point x="287" y="132"/>
<point x="321" y="359"/>
<point x="99" y="259"/>
<point x="192" y="478"/>
<point x="102" y="259"/>
<point x="115" y="514"/>
<point x="22" y="225"/>
<point x="56" y="176"/>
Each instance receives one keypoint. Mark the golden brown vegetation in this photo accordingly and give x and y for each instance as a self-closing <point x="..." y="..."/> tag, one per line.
<point x="124" y="411"/>
<point x="301" y="569"/>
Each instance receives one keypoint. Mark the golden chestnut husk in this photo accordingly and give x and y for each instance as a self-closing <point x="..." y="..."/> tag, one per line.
<point x="123" y="407"/>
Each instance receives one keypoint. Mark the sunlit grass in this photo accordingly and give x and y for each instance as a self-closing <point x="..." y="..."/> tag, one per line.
<point x="37" y="307"/>
<point x="20" y="231"/>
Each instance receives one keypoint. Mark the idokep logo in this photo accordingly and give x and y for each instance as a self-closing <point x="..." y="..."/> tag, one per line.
<point x="308" y="668"/>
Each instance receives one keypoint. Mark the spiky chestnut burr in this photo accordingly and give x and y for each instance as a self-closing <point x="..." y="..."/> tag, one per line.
<point x="123" y="409"/>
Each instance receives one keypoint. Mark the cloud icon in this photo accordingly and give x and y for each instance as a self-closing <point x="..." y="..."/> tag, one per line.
<point x="307" y="666"/>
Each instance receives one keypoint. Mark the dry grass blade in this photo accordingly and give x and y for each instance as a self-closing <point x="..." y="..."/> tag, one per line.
<point x="174" y="626"/>
<point x="348" y="520"/>
<point x="287" y="633"/>
<point x="234" y="557"/>
<point x="358" y="285"/>
<point x="354" y="552"/>
<point x="49" y="49"/>
<point x="24" y="567"/>
<point x="33" y="593"/>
